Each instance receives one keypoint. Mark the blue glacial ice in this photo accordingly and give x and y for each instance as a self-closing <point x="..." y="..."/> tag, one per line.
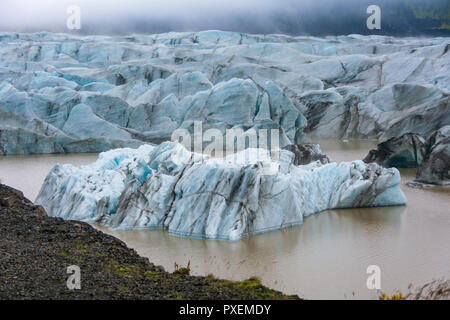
<point x="195" y="195"/>
<point x="65" y="93"/>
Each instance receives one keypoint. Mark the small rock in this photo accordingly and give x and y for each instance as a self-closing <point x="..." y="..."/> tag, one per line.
<point x="307" y="153"/>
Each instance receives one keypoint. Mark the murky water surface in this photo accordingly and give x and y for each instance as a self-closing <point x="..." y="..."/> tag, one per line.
<point x="324" y="258"/>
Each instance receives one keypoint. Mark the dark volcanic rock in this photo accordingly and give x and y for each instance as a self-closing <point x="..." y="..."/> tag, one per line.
<point x="406" y="151"/>
<point x="35" y="251"/>
<point x="14" y="201"/>
<point x="435" y="168"/>
<point x="307" y="153"/>
<point x="431" y="157"/>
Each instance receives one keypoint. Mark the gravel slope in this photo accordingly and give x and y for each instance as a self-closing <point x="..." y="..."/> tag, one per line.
<point x="35" y="251"/>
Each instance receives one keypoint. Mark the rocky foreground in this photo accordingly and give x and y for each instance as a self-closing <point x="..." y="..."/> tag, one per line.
<point x="35" y="251"/>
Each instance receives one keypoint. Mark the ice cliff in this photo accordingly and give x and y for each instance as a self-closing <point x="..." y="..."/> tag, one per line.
<point x="68" y="93"/>
<point x="194" y="195"/>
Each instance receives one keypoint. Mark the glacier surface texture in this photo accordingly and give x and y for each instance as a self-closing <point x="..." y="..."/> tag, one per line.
<point x="66" y="93"/>
<point x="194" y="195"/>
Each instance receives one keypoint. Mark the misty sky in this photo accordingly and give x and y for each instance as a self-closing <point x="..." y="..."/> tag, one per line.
<point x="153" y="16"/>
<point x="127" y="14"/>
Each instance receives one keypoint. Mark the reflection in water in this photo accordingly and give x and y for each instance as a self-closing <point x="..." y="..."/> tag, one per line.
<point x="27" y="173"/>
<point x="316" y="259"/>
<point x="326" y="257"/>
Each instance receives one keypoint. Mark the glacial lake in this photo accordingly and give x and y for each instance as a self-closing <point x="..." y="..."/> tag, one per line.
<point x="324" y="258"/>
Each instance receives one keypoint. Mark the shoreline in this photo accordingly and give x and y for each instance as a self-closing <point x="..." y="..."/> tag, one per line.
<point x="35" y="251"/>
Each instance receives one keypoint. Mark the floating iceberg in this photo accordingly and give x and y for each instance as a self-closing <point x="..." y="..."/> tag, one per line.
<point x="195" y="195"/>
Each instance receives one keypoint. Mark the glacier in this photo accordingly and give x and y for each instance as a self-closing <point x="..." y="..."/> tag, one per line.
<point x="62" y="93"/>
<point x="195" y="195"/>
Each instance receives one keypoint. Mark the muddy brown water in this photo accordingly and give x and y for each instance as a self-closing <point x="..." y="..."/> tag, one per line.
<point x="325" y="258"/>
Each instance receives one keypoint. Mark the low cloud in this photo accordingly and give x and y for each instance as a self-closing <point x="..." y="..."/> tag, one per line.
<point x="153" y="16"/>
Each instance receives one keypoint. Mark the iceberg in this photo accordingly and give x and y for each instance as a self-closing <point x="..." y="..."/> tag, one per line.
<point x="195" y="195"/>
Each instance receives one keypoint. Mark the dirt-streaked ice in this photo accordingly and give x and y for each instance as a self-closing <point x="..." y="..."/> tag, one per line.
<point x="66" y="93"/>
<point x="194" y="195"/>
